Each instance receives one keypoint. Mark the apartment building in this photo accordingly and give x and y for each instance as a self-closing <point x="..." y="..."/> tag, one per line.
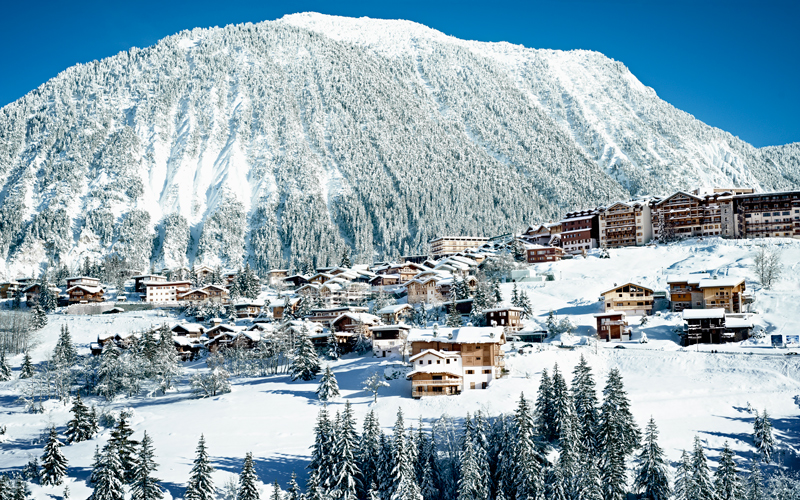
<point x="579" y="231"/>
<point x="625" y="224"/>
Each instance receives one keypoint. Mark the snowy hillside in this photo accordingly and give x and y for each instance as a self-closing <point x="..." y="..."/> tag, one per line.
<point x="689" y="391"/>
<point x="289" y="140"/>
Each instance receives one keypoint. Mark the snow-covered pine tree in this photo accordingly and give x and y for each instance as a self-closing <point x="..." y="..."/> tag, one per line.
<point x="754" y="487"/>
<point x="166" y="364"/>
<point x="504" y="456"/>
<point x="248" y="480"/>
<point x="21" y="490"/>
<point x="584" y="400"/>
<point x="404" y="482"/>
<point x="385" y="484"/>
<point x="276" y="491"/>
<point x="93" y="422"/>
<point x="480" y="436"/>
<point x="47" y="299"/>
<point x="78" y="428"/>
<point x="334" y="350"/>
<point x="5" y="370"/>
<point x="453" y="316"/>
<point x="293" y="491"/>
<point x="305" y="364"/>
<point x="652" y="476"/>
<point x="64" y="353"/>
<point x="346" y="473"/>
<point x="762" y="436"/>
<point x="345" y="260"/>
<point x="562" y="406"/>
<point x="727" y="483"/>
<point x="590" y="486"/>
<point x="321" y="475"/>
<point x="39" y="317"/>
<point x="525" y="304"/>
<point x="109" y="476"/>
<point x="27" y="370"/>
<point x="143" y="485"/>
<point x="619" y="436"/>
<point x="125" y="446"/>
<point x="367" y="457"/>
<point x="31" y="470"/>
<point x="54" y="464"/>
<point x="703" y="488"/>
<point x="328" y="389"/>
<point x="200" y="485"/>
<point x="545" y="408"/>
<point x="110" y="372"/>
<point x="97" y="465"/>
<point x="469" y="481"/>
<point x="684" y="480"/>
<point x="529" y="484"/>
<point x="515" y="296"/>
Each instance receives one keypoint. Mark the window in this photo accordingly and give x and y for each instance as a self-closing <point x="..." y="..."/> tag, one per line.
<point x="470" y="372"/>
<point x="448" y="361"/>
<point x="487" y="372"/>
<point x="420" y="361"/>
<point x="478" y="358"/>
<point x="472" y="385"/>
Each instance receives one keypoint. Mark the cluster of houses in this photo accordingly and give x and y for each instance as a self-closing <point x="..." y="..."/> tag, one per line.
<point x="727" y="213"/>
<point x="79" y="289"/>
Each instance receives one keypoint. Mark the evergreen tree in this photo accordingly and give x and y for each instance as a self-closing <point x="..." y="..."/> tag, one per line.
<point x="21" y="490"/>
<point x="276" y="491"/>
<point x="294" y="489"/>
<point x="515" y="296"/>
<point x="321" y="465"/>
<point x="305" y="364"/>
<point x="31" y="470"/>
<point x="562" y="407"/>
<point x="652" y="477"/>
<point x="5" y="370"/>
<point x="345" y="260"/>
<point x="27" y="370"/>
<point x="619" y="436"/>
<point x="727" y="483"/>
<point x="54" y="464"/>
<point x="143" y="485"/>
<point x="64" y="353"/>
<point x="762" y="436"/>
<point x="703" y="489"/>
<point x="525" y="304"/>
<point x="47" y="299"/>
<point x="97" y="465"/>
<point x="248" y="480"/>
<point x="545" y="408"/>
<point x="529" y="484"/>
<point x="125" y="446"/>
<point x="368" y="455"/>
<point x="78" y="428"/>
<point x="584" y="400"/>
<point x="590" y="485"/>
<point x="328" y="389"/>
<point x="453" y="316"/>
<point x="385" y="485"/>
<point x="92" y="421"/>
<point x="404" y="482"/>
<point x="39" y="317"/>
<point x="346" y="472"/>
<point x="754" y="488"/>
<point x="200" y="486"/>
<point x="333" y="346"/>
<point x="684" y="480"/>
<point x="109" y="476"/>
<point x="469" y="481"/>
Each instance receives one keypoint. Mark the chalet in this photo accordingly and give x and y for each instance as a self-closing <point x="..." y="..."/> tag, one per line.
<point x="543" y="234"/>
<point x="538" y="253"/>
<point x="190" y="330"/>
<point x="223" y="328"/>
<point x="295" y="280"/>
<point x="452" y="360"/>
<point x="685" y="214"/>
<point x="320" y="278"/>
<point x="249" y="309"/>
<point x="389" y="341"/>
<point x="725" y="292"/>
<point x="625" y="224"/>
<point x="194" y="296"/>
<point x="508" y="317"/>
<point x="84" y="294"/>
<point x="217" y="293"/>
<point x="612" y="326"/>
<point x="9" y="289"/>
<point x="349" y="322"/>
<point x="579" y="231"/>
<point x="165" y="292"/>
<point x="703" y="326"/>
<point x="333" y="293"/>
<point x="631" y="298"/>
<point x="33" y="291"/>
<point x="245" y="339"/>
<point x="187" y="348"/>
<point x="309" y="290"/>
<point x="385" y="280"/>
<point x="82" y="280"/>
<point x="325" y="315"/>
<point x="203" y="272"/>
<point x="685" y="292"/>
<point x="281" y="307"/>
<point x="395" y="313"/>
<point x="530" y="335"/>
<point x="275" y="277"/>
<point x="429" y="288"/>
<point x="139" y="281"/>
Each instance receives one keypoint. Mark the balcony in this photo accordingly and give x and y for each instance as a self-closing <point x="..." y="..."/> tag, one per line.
<point x="452" y="382"/>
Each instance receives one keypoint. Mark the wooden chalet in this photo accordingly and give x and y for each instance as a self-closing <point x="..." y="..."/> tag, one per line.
<point x="275" y="277"/>
<point x="508" y="317"/>
<point x="9" y="289"/>
<point x="704" y="326"/>
<point x="190" y="330"/>
<point x="84" y="294"/>
<point x="349" y="322"/>
<point x="631" y="298"/>
<point x="223" y="328"/>
<point x="249" y="309"/>
<point x="538" y="253"/>
<point x="389" y="341"/>
<point x="612" y="326"/>
<point x="324" y="316"/>
<point x="82" y="280"/>
<point x="287" y="305"/>
<point x="139" y="281"/>
<point x="685" y="292"/>
<point x="188" y="348"/>
<point x="295" y="280"/>
<point x="395" y="313"/>
<point x="724" y="292"/>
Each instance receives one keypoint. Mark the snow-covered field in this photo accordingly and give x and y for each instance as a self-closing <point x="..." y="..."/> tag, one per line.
<point x="687" y="390"/>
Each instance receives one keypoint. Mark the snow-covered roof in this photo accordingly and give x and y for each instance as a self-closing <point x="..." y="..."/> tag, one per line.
<point x="189" y="327"/>
<point x="88" y="289"/>
<point x="503" y="308"/>
<point x="737" y="322"/>
<point x="394" y="308"/>
<point x="625" y="284"/>
<point x="185" y="341"/>
<point x="383" y="328"/>
<point x="434" y="352"/>
<point x="575" y="219"/>
<point x="367" y="319"/>
<point x="721" y="282"/>
<point x="610" y="312"/>
<point x="462" y="335"/>
<point x="692" y="279"/>
<point x="716" y="313"/>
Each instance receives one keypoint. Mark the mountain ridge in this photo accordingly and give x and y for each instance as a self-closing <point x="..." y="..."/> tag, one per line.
<point x="278" y="143"/>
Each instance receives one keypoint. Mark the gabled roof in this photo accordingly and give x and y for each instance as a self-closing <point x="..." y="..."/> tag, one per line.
<point x="690" y="195"/>
<point x="625" y="284"/>
<point x="721" y="282"/>
<point x="189" y="327"/>
<point x="691" y="279"/>
<point x="437" y="353"/>
<point x="367" y="319"/>
<point x="88" y="289"/>
<point x="394" y="308"/>
<point x="610" y="312"/>
<point x="717" y="313"/>
<point x="462" y="335"/>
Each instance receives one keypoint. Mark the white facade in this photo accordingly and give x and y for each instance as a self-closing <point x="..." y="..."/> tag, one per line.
<point x="165" y="292"/>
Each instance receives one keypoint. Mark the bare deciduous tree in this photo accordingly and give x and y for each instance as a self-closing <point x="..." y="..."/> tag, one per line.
<point x="767" y="266"/>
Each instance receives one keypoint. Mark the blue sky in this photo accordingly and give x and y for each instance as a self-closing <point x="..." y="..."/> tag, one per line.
<point x="733" y="64"/>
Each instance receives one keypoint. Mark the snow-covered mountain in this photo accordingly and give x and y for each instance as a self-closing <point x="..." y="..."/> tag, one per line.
<point x="290" y="140"/>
